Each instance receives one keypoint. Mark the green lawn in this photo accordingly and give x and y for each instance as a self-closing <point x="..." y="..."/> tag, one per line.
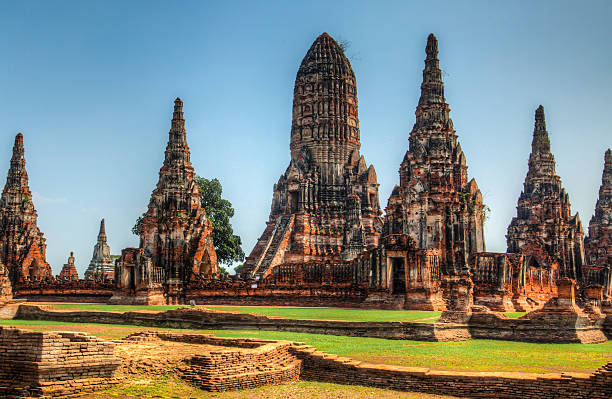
<point x="473" y="355"/>
<point x="284" y="312"/>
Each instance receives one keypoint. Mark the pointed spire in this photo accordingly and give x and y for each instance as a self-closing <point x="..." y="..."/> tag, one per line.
<point x="177" y="117"/>
<point x="432" y="88"/>
<point x="432" y="108"/>
<point x="540" y="142"/>
<point x="17" y="175"/>
<point x="102" y="233"/>
<point x="432" y="47"/>
<point x="606" y="177"/>
<point x="177" y="149"/>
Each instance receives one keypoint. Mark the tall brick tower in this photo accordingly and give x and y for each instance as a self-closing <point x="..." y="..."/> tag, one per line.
<point x="176" y="243"/>
<point x="22" y="246"/>
<point x="435" y="203"/>
<point x="325" y="206"/>
<point x="598" y="245"/>
<point x="544" y="228"/>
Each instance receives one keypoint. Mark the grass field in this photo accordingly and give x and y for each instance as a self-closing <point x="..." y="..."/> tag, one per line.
<point x="473" y="355"/>
<point x="286" y="312"/>
<point x="171" y="387"/>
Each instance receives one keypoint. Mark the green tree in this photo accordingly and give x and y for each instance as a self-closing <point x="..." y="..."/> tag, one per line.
<point x="219" y="211"/>
<point x="238" y="268"/>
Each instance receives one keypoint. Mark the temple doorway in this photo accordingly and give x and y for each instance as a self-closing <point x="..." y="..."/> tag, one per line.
<point x="132" y="279"/>
<point x="293" y="199"/>
<point x="398" y="273"/>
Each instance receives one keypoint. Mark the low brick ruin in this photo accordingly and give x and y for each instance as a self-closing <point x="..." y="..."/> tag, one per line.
<point x="320" y="366"/>
<point x="232" y="364"/>
<point x="63" y="364"/>
<point x="247" y="363"/>
<point x="53" y="364"/>
<point x="561" y="324"/>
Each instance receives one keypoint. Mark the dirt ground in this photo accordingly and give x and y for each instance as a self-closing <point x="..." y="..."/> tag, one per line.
<point x="158" y="357"/>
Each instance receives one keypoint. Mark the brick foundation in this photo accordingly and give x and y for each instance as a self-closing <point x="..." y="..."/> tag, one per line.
<point x="257" y="363"/>
<point x="53" y="363"/>
<point x="319" y="366"/>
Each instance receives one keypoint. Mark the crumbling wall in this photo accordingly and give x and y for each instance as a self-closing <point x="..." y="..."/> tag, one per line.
<point x="257" y="362"/>
<point x="54" y="363"/>
<point x="319" y="366"/>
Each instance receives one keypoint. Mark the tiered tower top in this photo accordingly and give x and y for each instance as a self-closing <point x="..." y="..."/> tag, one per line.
<point x="325" y="102"/>
<point x="432" y="111"/>
<point x="16" y="195"/>
<point x="541" y="160"/>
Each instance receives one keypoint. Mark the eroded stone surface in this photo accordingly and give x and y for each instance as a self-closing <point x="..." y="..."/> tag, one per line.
<point x="325" y="206"/>
<point x="69" y="271"/>
<point x="22" y="245"/>
<point x="544" y="228"/>
<point x="176" y="243"/>
<point x="435" y="203"/>
<point x="598" y="245"/>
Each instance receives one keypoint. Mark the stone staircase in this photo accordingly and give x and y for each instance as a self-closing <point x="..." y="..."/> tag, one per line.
<point x="525" y="304"/>
<point x="280" y="231"/>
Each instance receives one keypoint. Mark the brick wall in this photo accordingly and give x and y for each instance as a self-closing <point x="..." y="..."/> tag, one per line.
<point x="319" y="366"/>
<point x="257" y="362"/>
<point x="541" y="327"/>
<point x="53" y="363"/>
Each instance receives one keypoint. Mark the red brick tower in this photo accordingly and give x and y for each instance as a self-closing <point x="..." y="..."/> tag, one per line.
<point x="325" y="206"/>
<point x="544" y="229"/>
<point x="176" y="243"/>
<point x="598" y="245"/>
<point x="22" y="246"/>
<point x="435" y="204"/>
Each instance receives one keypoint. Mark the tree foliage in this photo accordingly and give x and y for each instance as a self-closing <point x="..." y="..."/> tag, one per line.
<point x="219" y="211"/>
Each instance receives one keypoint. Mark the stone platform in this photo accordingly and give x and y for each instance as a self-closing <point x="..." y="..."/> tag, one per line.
<point x="534" y="327"/>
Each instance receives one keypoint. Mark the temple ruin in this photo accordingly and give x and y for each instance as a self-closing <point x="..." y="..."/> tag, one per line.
<point x="434" y="217"/>
<point x="325" y="243"/>
<point x="598" y="244"/>
<point x="22" y="245"/>
<point x="544" y="229"/>
<point x="101" y="266"/>
<point x="176" y="243"/>
<point x="325" y="206"/>
<point x="69" y="271"/>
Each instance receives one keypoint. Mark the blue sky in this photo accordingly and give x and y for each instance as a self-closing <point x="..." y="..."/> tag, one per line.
<point x="91" y="86"/>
